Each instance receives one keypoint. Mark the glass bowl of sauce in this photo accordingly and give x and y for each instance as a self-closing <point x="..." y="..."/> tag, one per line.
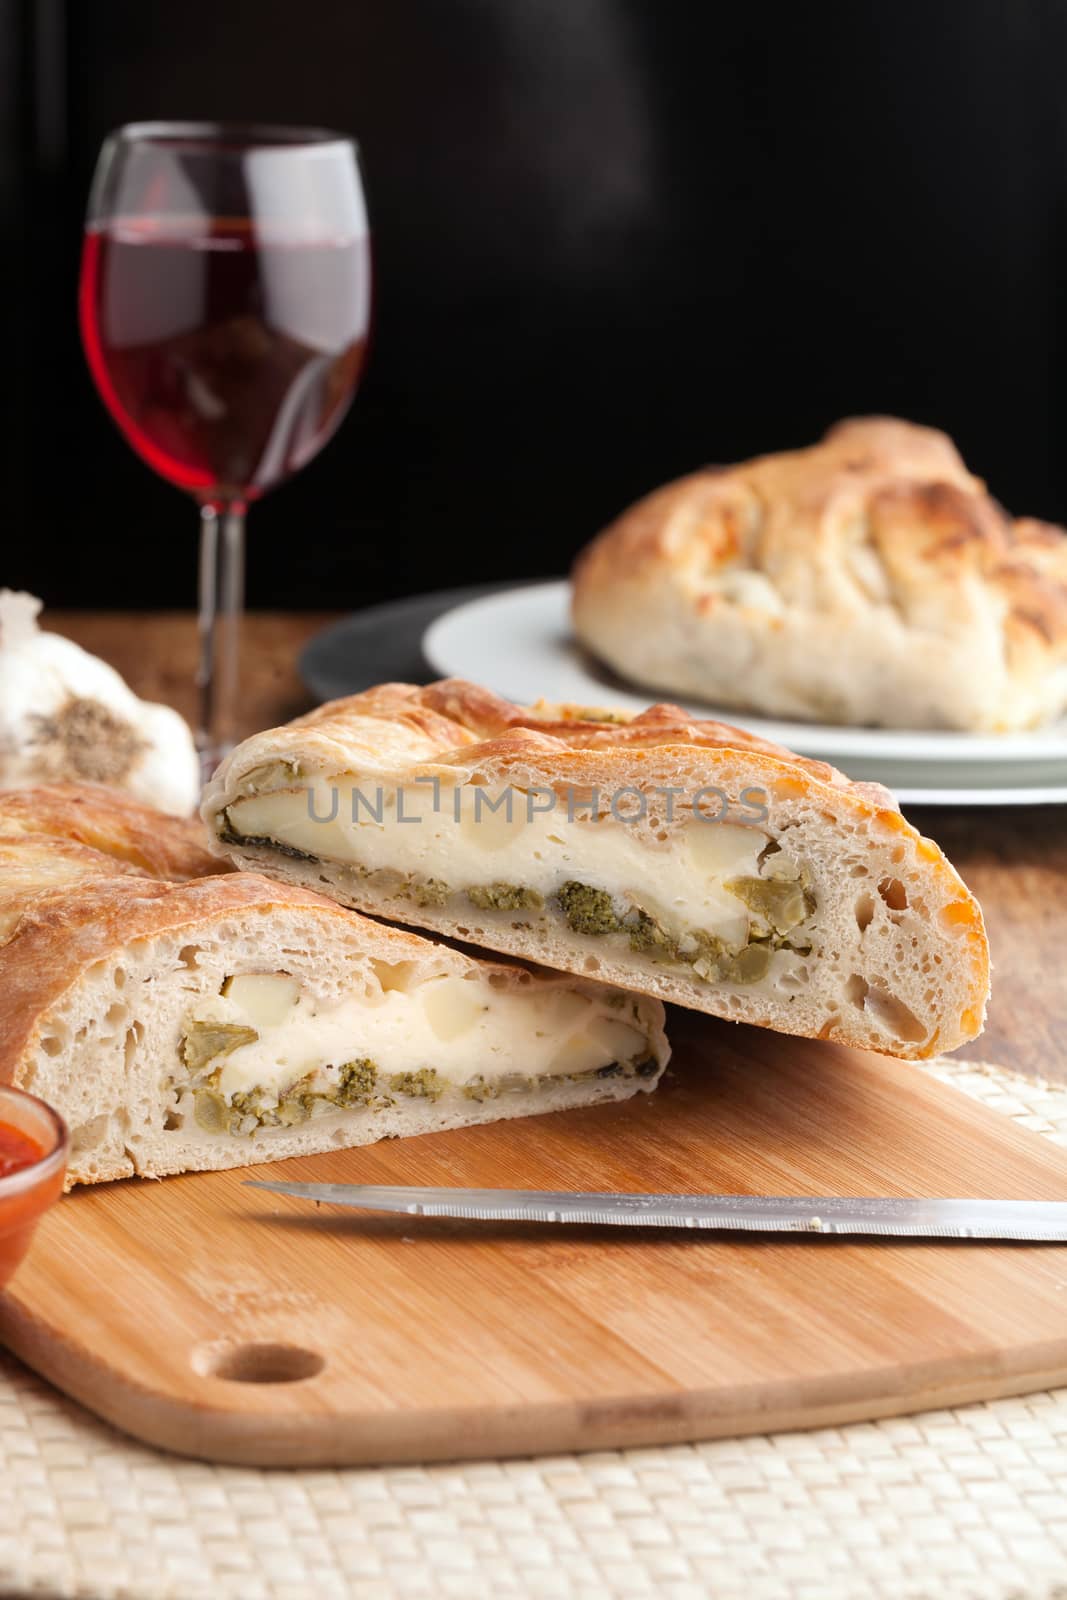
<point x="33" y="1162"/>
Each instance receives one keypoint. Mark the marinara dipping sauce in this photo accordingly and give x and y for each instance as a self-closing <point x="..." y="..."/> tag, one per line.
<point x="17" y="1149"/>
<point x="33" y="1164"/>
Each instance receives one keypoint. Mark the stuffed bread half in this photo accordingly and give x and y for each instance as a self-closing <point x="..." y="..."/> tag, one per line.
<point x="231" y="1018"/>
<point x="684" y="859"/>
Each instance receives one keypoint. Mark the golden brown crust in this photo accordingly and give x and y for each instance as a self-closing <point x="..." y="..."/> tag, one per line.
<point x="34" y="867"/>
<point x="405" y="729"/>
<point x="112" y="822"/>
<point x="59" y="836"/>
<point x="875" y="548"/>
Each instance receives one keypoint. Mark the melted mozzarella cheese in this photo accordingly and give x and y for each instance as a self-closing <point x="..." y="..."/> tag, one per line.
<point x="463" y="842"/>
<point x="461" y="1027"/>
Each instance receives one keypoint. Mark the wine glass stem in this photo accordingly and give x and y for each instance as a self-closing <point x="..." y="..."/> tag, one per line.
<point x="222" y="583"/>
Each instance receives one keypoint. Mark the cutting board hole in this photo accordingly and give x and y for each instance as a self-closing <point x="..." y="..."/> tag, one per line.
<point x="257" y="1363"/>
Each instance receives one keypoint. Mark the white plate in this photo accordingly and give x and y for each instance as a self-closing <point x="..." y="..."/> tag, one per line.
<point x="1050" y="796"/>
<point x="520" y="644"/>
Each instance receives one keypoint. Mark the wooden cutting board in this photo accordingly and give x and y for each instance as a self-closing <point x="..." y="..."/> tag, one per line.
<point x="220" y="1322"/>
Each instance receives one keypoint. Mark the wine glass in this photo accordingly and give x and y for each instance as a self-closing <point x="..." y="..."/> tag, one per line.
<point x="225" y="308"/>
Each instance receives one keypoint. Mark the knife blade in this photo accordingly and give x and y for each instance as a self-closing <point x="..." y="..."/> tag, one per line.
<point x="1036" y="1220"/>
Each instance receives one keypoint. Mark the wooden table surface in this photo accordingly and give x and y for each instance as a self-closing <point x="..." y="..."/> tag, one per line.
<point x="1014" y="858"/>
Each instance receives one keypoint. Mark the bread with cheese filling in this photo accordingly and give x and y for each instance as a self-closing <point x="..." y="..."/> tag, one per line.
<point x="189" y="1021"/>
<point x="678" y="858"/>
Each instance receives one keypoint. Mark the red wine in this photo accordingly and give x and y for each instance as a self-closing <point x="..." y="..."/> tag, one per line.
<point x="226" y="356"/>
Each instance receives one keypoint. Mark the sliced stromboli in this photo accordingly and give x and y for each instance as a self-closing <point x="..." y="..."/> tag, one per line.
<point x="588" y="840"/>
<point x="232" y="1019"/>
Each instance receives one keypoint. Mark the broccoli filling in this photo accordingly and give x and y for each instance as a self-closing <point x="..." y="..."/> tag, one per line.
<point x="361" y="1084"/>
<point x="505" y="897"/>
<point x="205" y="1041"/>
<point x="778" y="905"/>
<point x="588" y="910"/>
<point x="356" y="1085"/>
<point x="427" y="891"/>
<point x="426" y="1084"/>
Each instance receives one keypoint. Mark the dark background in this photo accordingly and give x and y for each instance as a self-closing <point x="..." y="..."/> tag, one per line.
<point x="615" y="239"/>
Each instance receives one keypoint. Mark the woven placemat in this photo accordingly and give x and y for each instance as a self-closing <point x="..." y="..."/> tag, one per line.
<point x="948" y="1505"/>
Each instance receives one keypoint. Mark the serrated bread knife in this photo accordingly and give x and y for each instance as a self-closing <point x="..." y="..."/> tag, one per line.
<point x="897" y="1218"/>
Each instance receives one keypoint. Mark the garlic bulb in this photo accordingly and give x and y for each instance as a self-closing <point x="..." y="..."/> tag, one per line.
<point x="67" y="717"/>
